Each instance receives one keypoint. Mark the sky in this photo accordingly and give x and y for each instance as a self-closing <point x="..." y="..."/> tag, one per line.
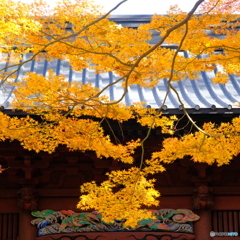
<point x="145" y="6"/>
<point x="140" y="6"/>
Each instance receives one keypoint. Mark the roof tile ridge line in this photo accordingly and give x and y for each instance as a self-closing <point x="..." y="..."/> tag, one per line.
<point x="111" y="92"/>
<point x="84" y="75"/>
<point x="58" y="67"/>
<point x="199" y="95"/>
<point x="234" y="83"/>
<point x="70" y="77"/>
<point x="174" y="102"/>
<point x="127" y="99"/>
<point x="225" y="90"/>
<point x="196" y="89"/>
<point x="32" y="65"/>
<point x="6" y="102"/>
<point x="97" y="80"/>
<point x="45" y="68"/>
<point x="156" y="97"/>
<point x="5" y="68"/>
<point x="184" y="94"/>
<point x="211" y="91"/>
<point x="141" y="95"/>
<point x="227" y="94"/>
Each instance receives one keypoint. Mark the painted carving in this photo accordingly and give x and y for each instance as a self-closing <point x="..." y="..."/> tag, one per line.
<point x="202" y="197"/>
<point x="179" y="220"/>
<point x="50" y="222"/>
<point x="27" y="199"/>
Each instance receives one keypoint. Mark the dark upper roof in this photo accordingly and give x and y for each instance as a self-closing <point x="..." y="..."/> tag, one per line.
<point x="198" y="96"/>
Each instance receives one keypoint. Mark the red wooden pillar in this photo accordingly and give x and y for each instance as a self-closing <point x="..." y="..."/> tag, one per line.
<point x="203" y="227"/>
<point x="27" y="202"/>
<point x="26" y="230"/>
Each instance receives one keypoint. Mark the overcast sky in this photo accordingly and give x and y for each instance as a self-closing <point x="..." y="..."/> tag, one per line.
<point x="145" y="6"/>
<point x="139" y="6"/>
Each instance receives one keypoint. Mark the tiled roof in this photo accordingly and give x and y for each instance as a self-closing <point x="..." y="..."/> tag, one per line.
<point x="198" y="96"/>
<point x="201" y="93"/>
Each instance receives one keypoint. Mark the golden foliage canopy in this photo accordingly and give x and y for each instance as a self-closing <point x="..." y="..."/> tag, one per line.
<point x="71" y="113"/>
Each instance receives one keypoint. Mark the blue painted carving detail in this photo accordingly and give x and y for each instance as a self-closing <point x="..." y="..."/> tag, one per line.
<point x="170" y="220"/>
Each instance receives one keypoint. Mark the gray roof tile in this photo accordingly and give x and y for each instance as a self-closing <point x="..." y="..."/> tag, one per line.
<point x="201" y="92"/>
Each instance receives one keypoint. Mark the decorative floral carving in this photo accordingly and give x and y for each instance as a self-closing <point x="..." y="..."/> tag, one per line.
<point x="170" y="220"/>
